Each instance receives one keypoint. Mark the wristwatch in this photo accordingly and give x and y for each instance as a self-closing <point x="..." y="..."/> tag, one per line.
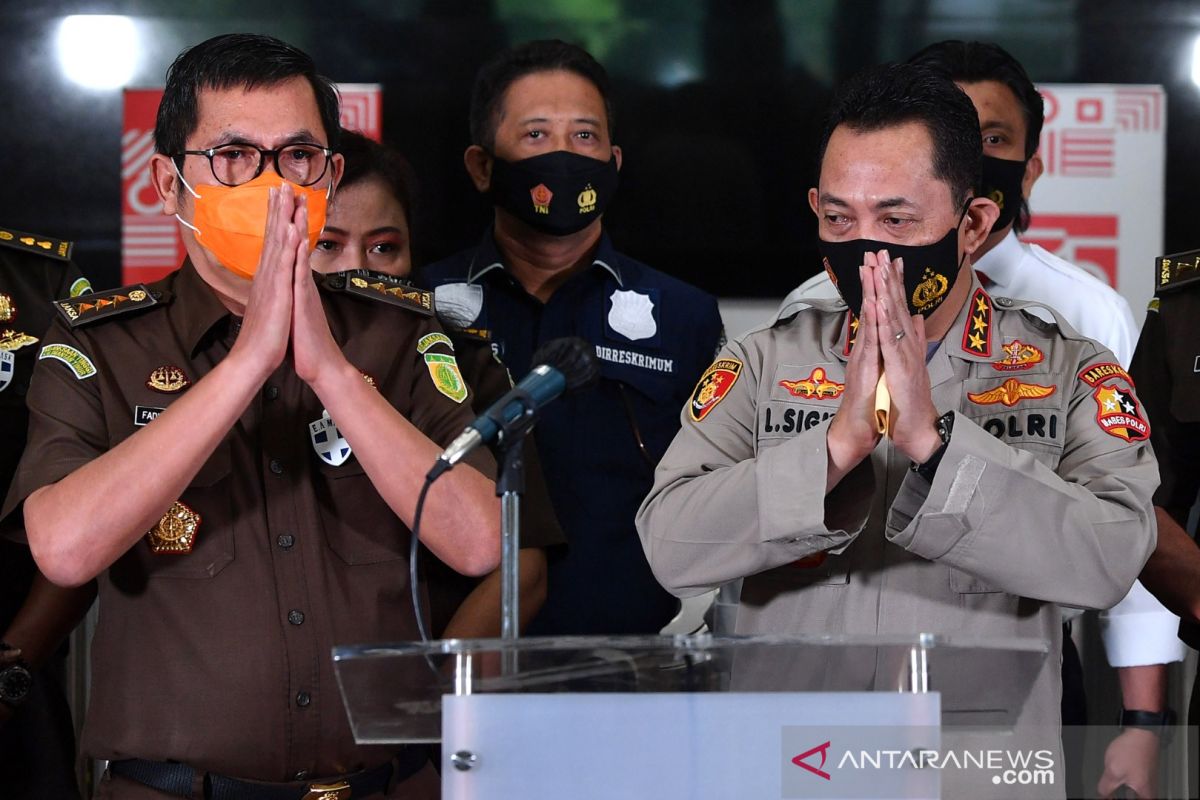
<point x="944" y="426"/>
<point x="15" y="682"/>
<point x="1160" y="722"/>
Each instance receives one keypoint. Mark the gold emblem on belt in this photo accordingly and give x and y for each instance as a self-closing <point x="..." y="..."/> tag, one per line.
<point x="328" y="791"/>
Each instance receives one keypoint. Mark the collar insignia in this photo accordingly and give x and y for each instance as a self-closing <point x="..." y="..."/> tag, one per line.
<point x="851" y="333"/>
<point x="977" y="332"/>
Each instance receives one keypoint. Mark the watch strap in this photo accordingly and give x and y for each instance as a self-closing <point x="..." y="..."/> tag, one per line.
<point x="1160" y="722"/>
<point x="944" y="426"/>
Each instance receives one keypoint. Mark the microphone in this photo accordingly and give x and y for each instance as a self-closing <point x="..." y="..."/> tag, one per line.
<point x="563" y="365"/>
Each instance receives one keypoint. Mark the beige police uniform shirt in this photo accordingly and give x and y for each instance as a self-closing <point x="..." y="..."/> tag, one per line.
<point x="1042" y="496"/>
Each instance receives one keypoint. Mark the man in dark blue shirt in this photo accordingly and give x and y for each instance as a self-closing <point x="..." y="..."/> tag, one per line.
<point x="541" y="126"/>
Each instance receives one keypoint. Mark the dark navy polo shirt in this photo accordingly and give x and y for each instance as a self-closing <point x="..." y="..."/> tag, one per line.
<point x="654" y="336"/>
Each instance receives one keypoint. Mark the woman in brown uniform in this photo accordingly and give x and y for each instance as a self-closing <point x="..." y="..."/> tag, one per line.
<point x="369" y="226"/>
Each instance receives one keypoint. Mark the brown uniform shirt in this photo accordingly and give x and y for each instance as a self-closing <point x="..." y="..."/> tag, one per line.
<point x="220" y="658"/>
<point x="30" y="279"/>
<point x="1166" y="366"/>
<point x="37" y="745"/>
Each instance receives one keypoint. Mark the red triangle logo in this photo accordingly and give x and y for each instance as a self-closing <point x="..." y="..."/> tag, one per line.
<point x="818" y="770"/>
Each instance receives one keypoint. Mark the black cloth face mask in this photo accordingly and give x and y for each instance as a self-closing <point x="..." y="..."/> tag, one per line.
<point x="557" y="193"/>
<point x="930" y="270"/>
<point x="1002" y="181"/>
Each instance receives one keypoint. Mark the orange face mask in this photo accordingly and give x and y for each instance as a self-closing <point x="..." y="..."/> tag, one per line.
<point x="230" y="221"/>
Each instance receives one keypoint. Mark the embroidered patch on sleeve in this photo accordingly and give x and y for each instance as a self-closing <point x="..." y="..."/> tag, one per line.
<point x="1098" y="373"/>
<point x="80" y="364"/>
<point x="80" y="286"/>
<point x="430" y="339"/>
<point x="1118" y="414"/>
<point x="714" y="384"/>
<point x="446" y="376"/>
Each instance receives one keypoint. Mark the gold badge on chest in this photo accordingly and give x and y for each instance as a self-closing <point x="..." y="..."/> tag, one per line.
<point x="8" y="309"/>
<point x="168" y="379"/>
<point x="175" y="533"/>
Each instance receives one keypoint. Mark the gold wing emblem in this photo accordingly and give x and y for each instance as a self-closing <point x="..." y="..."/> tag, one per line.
<point x="801" y="388"/>
<point x="1011" y="392"/>
<point x="815" y="385"/>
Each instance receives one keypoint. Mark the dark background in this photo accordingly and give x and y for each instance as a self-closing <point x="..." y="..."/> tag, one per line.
<point x="719" y="104"/>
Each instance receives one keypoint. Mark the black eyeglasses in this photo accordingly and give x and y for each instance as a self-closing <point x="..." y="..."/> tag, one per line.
<point x="235" y="164"/>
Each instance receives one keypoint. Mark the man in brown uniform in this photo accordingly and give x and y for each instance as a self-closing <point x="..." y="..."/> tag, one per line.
<point x="238" y="457"/>
<point x="1014" y="474"/>
<point x="1167" y="364"/>
<point x="37" y="735"/>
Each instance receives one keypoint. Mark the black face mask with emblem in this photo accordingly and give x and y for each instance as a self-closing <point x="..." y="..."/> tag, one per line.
<point x="557" y="193"/>
<point x="929" y="269"/>
<point x="1002" y="181"/>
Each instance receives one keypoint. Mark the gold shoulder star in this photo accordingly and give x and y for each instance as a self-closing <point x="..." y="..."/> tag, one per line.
<point x="976" y="341"/>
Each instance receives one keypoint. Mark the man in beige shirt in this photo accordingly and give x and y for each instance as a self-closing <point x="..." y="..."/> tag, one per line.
<point x="1014" y="474"/>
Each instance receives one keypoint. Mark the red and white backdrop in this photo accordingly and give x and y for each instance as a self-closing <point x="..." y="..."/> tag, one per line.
<point x="150" y="243"/>
<point x="1100" y="202"/>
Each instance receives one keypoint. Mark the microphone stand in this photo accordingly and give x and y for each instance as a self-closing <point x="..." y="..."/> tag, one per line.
<point x="509" y="488"/>
<point x="509" y="448"/>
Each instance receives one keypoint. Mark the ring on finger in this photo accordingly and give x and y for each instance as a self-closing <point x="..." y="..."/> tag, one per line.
<point x="898" y="335"/>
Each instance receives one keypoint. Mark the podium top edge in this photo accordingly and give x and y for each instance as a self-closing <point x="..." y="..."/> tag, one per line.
<point x="696" y="643"/>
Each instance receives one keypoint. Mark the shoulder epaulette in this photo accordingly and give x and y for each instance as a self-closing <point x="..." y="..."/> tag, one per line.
<point x="32" y="243"/>
<point x="474" y="334"/>
<point x="1175" y="270"/>
<point x="381" y="287"/>
<point x="88" y="308"/>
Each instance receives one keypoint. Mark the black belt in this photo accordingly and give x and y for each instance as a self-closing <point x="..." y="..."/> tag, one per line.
<point x="178" y="779"/>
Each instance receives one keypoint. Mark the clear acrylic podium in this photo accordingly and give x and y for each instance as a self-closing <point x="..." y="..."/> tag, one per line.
<point x="685" y="716"/>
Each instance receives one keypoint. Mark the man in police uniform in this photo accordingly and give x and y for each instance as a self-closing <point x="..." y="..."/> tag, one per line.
<point x="1167" y="365"/>
<point x="541" y="127"/>
<point x="1014" y="474"/>
<point x="237" y="457"/>
<point x="37" y="735"/>
<point x="1138" y="633"/>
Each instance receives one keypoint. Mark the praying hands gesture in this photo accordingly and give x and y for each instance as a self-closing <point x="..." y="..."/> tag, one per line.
<point x="891" y="345"/>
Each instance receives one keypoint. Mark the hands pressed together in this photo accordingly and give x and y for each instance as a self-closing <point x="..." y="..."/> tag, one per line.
<point x="890" y="342"/>
<point x="284" y="305"/>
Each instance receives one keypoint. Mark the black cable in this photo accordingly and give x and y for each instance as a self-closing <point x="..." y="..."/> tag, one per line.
<point x="637" y="431"/>
<point x="413" y="572"/>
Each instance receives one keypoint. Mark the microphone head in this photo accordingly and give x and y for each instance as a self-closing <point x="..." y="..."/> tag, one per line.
<point x="573" y="357"/>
